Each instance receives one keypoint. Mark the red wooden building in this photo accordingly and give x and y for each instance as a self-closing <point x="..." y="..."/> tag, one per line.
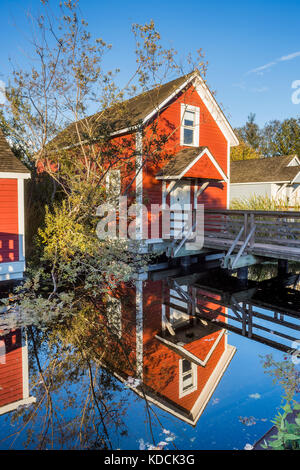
<point x="12" y="246"/>
<point x="199" y="144"/>
<point x="14" y="382"/>
<point x="194" y="166"/>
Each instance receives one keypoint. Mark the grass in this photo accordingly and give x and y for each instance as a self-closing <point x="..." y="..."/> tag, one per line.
<point x="263" y="203"/>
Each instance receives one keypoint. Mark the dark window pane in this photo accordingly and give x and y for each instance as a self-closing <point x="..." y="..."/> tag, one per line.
<point x="189" y="123"/>
<point x="188" y="136"/>
<point x="186" y="366"/>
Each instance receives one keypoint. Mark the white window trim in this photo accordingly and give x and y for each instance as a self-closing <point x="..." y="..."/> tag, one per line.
<point x="11" y="175"/>
<point x="183" y="393"/>
<point x="196" y="110"/>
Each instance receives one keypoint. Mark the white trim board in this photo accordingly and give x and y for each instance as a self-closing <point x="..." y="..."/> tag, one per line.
<point x="212" y="382"/>
<point x="260" y="182"/>
<point x="139" y="184"/>
<point x="13" y="406"/>
<point x="21" y="220"/>
<point x="139" y="329"/>
<point x="215" y="110"/>
<point x="13" y="270"/>
<point x="196" y="128"/>
<point x="187" y="354"/>
<point x="11" y="175"/>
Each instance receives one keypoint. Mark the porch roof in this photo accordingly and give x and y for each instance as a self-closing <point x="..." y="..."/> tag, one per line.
<point x="192" y="162"/>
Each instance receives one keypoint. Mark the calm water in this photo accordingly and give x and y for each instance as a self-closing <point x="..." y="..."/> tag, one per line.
<point x="170" y="359"/>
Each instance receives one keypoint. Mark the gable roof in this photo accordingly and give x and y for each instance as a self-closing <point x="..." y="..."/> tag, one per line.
<point x="9" y="163"/>
<point x="121" y="116"/>
<point x="124" y="117"/>
<point x="264" y="170"/>
<point x="185" y="159"/>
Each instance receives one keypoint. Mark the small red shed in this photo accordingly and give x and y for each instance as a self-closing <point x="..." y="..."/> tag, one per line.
<point x="12" y="245"/>
<point x="192" y="169"/>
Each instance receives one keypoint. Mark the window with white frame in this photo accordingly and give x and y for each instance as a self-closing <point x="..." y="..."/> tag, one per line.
<point x="189" y="132"/>
<point x="187" y="377"/>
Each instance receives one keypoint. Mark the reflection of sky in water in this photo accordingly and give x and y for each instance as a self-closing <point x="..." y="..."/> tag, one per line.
<point x="239" y="411"/>
<point x="219" y="426"/>
<point x="244" y="391"/>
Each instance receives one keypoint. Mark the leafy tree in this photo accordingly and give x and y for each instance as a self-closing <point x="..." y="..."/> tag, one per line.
<point x="48" y="114"/>
<point x="243" y="152"/>
<point x="281" y="138"/>
<point x="250" y="132"/>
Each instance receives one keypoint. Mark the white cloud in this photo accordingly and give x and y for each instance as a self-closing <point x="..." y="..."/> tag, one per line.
<point x="261" y="89"/>
<point x="255" y="396"/>
<point x="290" y="56"/>
<point x="261" y="68"/>
<point x="284" y="58"/>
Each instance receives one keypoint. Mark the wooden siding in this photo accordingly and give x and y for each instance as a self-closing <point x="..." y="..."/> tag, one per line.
<point x="11" y="373"/>
<point x="9" y="239"/>
<point x="161" y="364"/>
<point x="210" y="135"/>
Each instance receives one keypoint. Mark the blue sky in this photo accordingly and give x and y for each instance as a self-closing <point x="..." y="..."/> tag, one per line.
<point x="253" y="48"/>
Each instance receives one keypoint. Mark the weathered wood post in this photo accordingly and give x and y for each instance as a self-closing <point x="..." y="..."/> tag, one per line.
<point x="283" y="267"/>
<point x="242" y="274"/>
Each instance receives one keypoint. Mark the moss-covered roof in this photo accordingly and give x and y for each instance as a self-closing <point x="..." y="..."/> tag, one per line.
<point x="261" y="170"/>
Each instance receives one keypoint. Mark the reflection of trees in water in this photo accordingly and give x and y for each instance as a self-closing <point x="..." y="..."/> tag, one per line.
<point x="79" y="404"/>
<point x="261" y="272"/>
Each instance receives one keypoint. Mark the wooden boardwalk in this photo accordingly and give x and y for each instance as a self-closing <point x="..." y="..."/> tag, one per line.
<point x="246" y="236"/>
<point x="266" y="312"/>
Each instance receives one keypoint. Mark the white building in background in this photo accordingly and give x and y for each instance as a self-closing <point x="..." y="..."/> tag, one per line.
<point x="274" y="177"/>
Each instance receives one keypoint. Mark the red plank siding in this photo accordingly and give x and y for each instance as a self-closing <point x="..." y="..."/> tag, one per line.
<point x="9" y="239"/>
<point x="11" y="374"/>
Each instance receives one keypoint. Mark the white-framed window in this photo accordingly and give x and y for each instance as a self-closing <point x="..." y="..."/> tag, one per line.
<point x="189" y="130"/>
<point x="187" y="377"/>
<point x="113" y="185"/>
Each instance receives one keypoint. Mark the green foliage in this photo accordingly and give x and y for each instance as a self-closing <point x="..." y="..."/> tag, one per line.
<point x="262" y="203"/>
<point x="281" y="138"/>
<point x="243" y="152"/>
<point x="284" y="373"/>
<point x="288" y="429"/>
<point x="250" y="133"/>
<point x="287" y="423"/>
<point x="274" y="139"/>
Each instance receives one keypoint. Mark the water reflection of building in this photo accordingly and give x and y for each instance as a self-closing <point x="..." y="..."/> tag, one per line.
<point x="179" y="359"/>
<point x="171" y="331"/>
<point x="14" y="381"/>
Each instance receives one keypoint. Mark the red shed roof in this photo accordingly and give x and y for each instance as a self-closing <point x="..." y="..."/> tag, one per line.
<point x="192" y="162"/>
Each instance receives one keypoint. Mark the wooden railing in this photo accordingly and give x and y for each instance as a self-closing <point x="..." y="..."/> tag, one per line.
<point x="271" y="227"/>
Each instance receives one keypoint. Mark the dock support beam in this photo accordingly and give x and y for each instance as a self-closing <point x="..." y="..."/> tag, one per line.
<point x="185" y="261"/>
<point x="242" y="274"/>
<point x="283" y="267"/>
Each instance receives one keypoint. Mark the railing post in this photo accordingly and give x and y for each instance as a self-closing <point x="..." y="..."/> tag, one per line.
<point x="245" y="225"/>
<point x="252" y="224"/>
